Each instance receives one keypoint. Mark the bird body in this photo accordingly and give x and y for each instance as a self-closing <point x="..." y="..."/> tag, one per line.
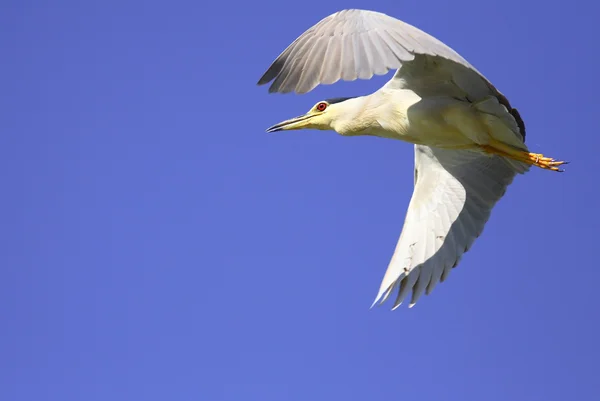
<point x="469" y="141"/>
<point x="432" y="121"/>
<point x="402" y="114"/>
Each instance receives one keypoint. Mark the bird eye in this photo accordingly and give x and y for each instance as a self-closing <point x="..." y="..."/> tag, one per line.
<point x="322" y="106"/>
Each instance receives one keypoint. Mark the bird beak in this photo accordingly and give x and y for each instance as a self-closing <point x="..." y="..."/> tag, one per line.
<point x="294" y="123"/>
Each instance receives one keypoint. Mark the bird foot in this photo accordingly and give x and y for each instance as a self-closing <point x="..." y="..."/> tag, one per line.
<point x="534" y="159"/>
<point x="541" y="161"/>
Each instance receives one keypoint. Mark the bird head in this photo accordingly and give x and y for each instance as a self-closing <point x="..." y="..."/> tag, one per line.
<point x="320" y="116"/>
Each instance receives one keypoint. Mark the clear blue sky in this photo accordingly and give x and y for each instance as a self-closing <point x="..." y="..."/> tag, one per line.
<point x="157" y="244"/>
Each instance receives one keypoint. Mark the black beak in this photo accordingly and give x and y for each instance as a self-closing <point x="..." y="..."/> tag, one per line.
<point x="289" y="124"/>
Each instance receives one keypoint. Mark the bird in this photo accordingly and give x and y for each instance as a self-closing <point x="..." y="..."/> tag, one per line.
<point x="469" y="142"/>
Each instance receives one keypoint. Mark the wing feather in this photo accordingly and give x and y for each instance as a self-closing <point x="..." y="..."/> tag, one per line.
<point x="311" y="71"/>
<point x="348" y="59"/>
<point x="389" y="40"/>
<point x="331" y="69"/>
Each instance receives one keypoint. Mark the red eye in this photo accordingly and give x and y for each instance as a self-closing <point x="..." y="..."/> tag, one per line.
<point x="322" y="106"/>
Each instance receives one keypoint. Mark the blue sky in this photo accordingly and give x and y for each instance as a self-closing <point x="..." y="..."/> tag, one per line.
<point x="159" y="245"/>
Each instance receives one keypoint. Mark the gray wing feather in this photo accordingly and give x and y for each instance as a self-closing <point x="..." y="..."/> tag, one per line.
<point x="362" y="43"/>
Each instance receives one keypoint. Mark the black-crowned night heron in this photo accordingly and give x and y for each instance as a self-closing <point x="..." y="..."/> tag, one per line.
<point x="469" y="140"/>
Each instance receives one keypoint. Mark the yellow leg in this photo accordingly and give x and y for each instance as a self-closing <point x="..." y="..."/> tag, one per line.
<point x="534" y="159"/>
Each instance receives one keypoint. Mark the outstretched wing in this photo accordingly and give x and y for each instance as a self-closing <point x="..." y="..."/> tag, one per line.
<point x="455" y="191"/>
<point x="351" y="44"/>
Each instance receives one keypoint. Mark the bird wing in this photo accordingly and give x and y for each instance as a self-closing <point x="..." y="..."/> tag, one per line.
<point x="351" y="44"/>
<point x="454" y="193"/>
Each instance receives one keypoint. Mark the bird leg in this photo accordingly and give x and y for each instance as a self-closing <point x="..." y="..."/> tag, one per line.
<point x="534" y="159"/>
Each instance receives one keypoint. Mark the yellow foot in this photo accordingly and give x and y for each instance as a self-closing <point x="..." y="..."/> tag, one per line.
<point x="541" y="161"/>
<point x="534" y="159"/>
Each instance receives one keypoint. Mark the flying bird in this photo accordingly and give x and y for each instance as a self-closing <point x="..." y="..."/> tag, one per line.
<point x="469" y="141"/>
